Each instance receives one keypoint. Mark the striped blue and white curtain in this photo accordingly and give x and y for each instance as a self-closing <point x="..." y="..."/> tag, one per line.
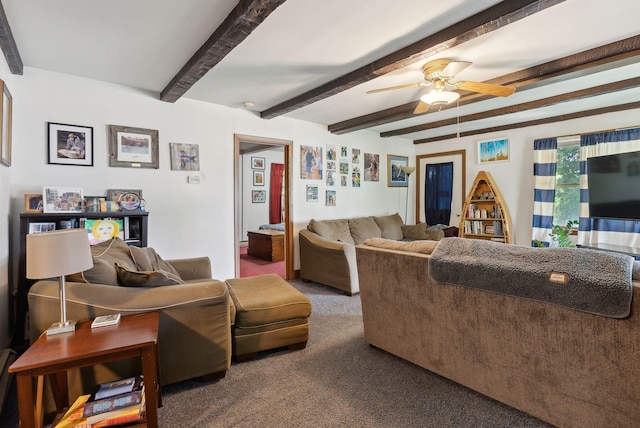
<point x="545" y="152"/>
<point x="605" y="231"/>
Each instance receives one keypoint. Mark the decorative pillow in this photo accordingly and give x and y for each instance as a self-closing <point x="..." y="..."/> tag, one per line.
<point x="415" y="231"/>
<point x="147" y="259"/>
<point x="334" y="230"/>
<point x="363" y="228"/>
<point x="134" y="278"/>
<point x="421" y="246"/>
<point x="105" y="255"/>
<point x="390" y="226"/>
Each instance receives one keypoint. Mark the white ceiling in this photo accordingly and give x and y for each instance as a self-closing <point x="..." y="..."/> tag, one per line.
<point x="305" y="43"/>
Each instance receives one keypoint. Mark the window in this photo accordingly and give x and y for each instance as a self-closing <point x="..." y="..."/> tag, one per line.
<point x="567" y="197"/>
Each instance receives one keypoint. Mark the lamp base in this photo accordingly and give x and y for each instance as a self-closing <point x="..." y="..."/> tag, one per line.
<point x="58" y="327"/>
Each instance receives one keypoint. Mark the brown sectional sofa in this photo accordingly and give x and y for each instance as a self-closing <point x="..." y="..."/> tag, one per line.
<point x="327" y="247"/>
<point x="567" y="367"/>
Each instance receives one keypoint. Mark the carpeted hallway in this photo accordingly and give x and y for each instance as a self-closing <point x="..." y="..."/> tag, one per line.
<point x="253" y="266"/>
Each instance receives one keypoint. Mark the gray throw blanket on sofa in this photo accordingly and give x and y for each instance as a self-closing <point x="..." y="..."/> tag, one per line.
<point x="591" y="281"/>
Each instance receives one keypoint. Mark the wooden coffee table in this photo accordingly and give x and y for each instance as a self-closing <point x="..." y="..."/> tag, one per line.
<point x="135" y="336"/>
<point x="266" y="245"/>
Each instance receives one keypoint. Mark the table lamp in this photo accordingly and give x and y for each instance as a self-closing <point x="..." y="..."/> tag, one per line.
<point x="407" y="170"/>
<point x="56" y="254"/>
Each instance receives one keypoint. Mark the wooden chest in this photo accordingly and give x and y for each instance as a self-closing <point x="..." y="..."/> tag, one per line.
<point x="266" y="245"/>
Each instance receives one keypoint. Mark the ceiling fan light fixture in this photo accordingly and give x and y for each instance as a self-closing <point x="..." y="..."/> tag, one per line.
<point x="439" y="97"/>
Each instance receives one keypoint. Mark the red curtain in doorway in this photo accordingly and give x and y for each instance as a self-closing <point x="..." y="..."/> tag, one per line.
<point x="275" y="194"/>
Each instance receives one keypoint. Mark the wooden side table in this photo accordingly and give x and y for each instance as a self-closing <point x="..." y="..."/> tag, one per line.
<point x="266" y="244"/>
<point x="135" y="336"/>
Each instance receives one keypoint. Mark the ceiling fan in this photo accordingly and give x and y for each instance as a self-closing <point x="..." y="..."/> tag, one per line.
<point x="438" y="74"/>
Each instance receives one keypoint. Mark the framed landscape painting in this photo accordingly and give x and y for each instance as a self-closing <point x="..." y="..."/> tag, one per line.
<point x="493" y="150"/>
<point x="133" y="147"/>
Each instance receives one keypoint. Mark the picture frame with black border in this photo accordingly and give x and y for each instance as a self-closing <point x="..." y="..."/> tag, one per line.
<point x="69" y="144"/>
<point x="257" y="162"/>
<point x="258" y="178"/>
<point x="258" y="196"/>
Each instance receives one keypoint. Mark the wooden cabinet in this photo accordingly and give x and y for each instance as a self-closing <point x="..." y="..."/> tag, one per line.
<point x="134" y="233"/>
<point x="485" y="213"/>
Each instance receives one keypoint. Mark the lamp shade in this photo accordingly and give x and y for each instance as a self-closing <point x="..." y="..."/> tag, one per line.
<point x="408" y="169"/>
<point x="436" y="97"/>
<point x="58" y="253"/>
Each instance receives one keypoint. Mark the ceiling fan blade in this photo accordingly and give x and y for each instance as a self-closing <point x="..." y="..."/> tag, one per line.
<point x="453" y="68"/>
<point x="422" y="107"/>
<point x="409" y="85"/>
<point x="486" y="88"/>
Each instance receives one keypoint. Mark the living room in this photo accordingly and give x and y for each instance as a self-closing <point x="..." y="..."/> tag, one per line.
<point x="189" y="219"/>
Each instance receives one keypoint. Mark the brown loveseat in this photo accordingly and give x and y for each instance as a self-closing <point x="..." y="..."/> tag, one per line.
<point x="565" y="366"/>
<point x="195" y="315"/>
<point x="327" y="247"/>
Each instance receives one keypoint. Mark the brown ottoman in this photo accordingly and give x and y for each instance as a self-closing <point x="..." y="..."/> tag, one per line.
<point x="270" y="314"/>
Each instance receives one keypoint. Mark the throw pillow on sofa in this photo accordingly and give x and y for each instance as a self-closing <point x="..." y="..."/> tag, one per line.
<point x="147" y="259"/>
<point x="105" y="255"/>
<point x="363" y="228"/>
<point x="333" y="230"/>
<point x="419" y="246"/>
<point x="390" y="226"/>
<point x="415" y="231"/>
<point x="135" y="278"/>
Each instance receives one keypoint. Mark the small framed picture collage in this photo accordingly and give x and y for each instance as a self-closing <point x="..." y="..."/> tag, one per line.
<point x="258" y="168"/>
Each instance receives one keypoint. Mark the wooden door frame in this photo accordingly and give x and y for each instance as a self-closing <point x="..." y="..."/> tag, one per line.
<point x="463" y="155"/>
<point x="288" y="174"/>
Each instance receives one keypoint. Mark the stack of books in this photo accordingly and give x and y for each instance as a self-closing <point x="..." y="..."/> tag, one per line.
<point x="112" y="404"/>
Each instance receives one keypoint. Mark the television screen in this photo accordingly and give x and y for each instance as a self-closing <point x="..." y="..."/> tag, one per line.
<point x="614" y="186"/>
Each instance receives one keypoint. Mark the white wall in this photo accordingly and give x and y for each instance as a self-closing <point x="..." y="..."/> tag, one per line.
<point x="515" y="177"/>
<point x="185" y="219"/>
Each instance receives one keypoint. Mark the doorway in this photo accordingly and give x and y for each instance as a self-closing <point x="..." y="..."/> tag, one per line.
<point x="246" y="146"/>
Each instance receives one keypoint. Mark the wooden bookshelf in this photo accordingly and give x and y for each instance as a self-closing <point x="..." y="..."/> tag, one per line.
<point x="485" y="213"/>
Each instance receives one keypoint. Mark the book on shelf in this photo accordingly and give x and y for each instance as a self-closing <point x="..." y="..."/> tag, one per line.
<point x="125" y="415"/>
<point x="105" y="320"/>
<point x="74" y="418"/>
<point x="115" y="403"/>
<point x="109" y="389"/>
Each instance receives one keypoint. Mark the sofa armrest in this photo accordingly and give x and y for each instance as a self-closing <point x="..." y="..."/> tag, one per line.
<point x="193" y="268"/>
<point x="194" y="335"/>
<point x="328" y="262"/>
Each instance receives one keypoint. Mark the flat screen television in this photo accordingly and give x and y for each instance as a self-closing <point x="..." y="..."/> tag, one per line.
<point x="614" y="186"/>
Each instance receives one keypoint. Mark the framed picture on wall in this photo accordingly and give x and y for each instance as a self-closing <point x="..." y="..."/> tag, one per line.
<point x="6" y="108"/>
<point x="496" y="150"/>
<point x="396" y="177"/>
<point x="257" y="163"/>
<point x="258" y="178"/>
<point x="258" y="196"/>
<point x="70" y="144"/>
<point x="133" y="147"/>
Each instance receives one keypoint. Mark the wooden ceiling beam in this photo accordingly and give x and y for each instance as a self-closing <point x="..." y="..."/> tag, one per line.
<point x="8" y="45"/>
<point x="493" y="18"/>
<point x="583" y="63"/>
<point x="236" y="27"/>
<point x="546" y="120"/>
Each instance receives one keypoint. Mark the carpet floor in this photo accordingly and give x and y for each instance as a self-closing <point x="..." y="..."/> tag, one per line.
<point x="337" y="381"/>
<point x="253" y="266"/>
